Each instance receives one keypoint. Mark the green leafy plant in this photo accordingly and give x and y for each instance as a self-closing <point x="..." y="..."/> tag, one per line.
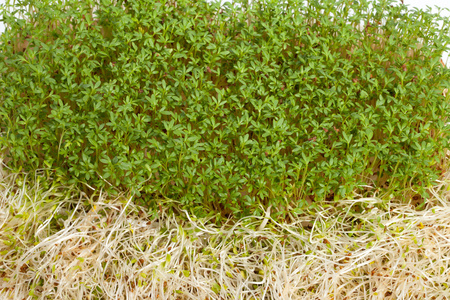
<point x="227" y="109"/>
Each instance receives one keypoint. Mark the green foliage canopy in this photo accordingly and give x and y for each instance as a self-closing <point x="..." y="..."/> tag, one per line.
<point x="226" y="108"/>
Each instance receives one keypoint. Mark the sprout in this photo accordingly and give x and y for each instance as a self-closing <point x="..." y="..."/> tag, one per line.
<point x="117" y="249"/>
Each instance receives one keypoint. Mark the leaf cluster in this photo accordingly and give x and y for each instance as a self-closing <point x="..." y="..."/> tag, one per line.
<point x="227" y="109"/>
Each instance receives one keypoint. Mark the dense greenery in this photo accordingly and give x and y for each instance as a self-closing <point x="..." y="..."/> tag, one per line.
<point x="226" y="108"/>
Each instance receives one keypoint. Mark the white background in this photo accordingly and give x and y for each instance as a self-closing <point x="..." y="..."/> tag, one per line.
<point x="422" y="4"/>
